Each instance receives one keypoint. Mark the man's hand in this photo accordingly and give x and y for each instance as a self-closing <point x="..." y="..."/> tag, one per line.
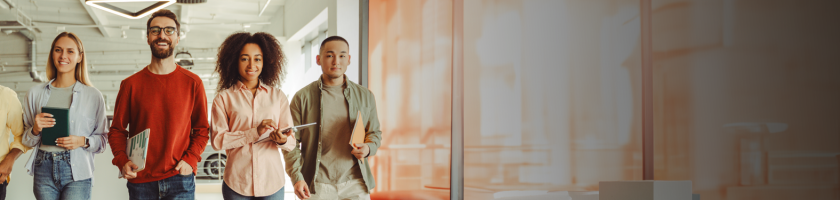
<point x="280" y="138"/>
<point x="360" y="150"/>
<point x="6" y="169"/>
<point x="128" y="170"/>
<point x="42" y="120"/>
<point x="302" y="190"/>
<point x="265" y="125"/>
<point x="184" y="168"/>
<point x="70" y="142"/>
<point x="7" y="163"/>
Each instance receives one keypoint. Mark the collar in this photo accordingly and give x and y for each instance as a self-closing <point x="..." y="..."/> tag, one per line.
<point x="76" y="87"/>
<point x="321" y="82"/>
<point x="244" y="87"/>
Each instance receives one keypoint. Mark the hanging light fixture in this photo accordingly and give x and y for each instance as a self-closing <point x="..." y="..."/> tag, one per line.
<point x="192" y="1"/>
<point x="106" y="5"/>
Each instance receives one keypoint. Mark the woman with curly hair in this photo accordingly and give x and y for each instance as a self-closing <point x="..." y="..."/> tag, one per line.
<point x="248" y="106"/>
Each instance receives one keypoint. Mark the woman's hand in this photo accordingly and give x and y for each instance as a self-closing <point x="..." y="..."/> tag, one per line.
<point x="280" y="138"/>
<point x="43" y="120"/>
<point x="70" y="142"/>
<point x="265" y="125"/>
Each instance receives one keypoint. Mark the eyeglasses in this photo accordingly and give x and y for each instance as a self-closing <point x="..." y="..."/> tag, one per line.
<point x="155" y="30"/>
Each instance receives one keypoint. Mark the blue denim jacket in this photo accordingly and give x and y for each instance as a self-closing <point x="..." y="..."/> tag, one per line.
<point x="87" y="118"/>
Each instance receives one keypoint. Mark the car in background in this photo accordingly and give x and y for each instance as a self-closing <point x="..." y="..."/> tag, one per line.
<point x="212" y="164"/>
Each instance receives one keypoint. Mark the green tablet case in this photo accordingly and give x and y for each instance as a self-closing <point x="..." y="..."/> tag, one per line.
<point x="61" y="128"/>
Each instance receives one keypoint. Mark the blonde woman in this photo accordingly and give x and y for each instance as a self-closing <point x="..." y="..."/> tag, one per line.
<point x="65" y="170"/>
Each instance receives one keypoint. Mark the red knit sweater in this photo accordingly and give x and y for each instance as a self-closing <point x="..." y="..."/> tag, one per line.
<point x="170" y="105"/>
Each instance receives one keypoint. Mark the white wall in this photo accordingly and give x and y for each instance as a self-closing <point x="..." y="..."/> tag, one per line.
<point x="347" y="19"/>
<point x="342" y="20"/>
<point x="299" y="12"/>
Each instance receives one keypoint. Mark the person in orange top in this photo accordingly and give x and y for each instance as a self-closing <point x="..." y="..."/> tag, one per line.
<point x="247" y="107"/>
<point x="169" y="101"/>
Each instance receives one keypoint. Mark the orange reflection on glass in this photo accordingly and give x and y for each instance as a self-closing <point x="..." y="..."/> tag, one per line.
<point x="552" y="96"/>
<point x="410" y="74"/>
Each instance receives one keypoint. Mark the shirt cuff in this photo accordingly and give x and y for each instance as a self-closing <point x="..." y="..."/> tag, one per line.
<point x="252" y="135"/>
<point x="369" y="149"/>
<point x="190" y="160"/>
<point x="297" y="178"/>
<point x="18" y="145"/>
<point x="30" y="137"/>
<point x="90" y="142"/>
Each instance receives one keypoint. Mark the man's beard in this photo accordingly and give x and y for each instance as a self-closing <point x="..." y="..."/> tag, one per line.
<point x="161" y="54"/>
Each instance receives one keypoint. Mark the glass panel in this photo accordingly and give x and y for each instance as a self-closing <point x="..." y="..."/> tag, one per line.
<point x="746" y="98"/>
<point x="410" y="52"/>
<point x="548" y="108"/>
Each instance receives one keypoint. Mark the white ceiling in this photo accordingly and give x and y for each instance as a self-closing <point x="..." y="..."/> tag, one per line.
<point x="111" y="58"/>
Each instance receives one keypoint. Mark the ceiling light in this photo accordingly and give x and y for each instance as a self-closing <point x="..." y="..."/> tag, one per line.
<point x="264" y="7"/>
<point x="105" y="5"/>
<point x="192" y="1"/>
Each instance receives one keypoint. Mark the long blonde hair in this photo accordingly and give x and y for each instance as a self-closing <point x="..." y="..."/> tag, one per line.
<point x="81" y="67"/>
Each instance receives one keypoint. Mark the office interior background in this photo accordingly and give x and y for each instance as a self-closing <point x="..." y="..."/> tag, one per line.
<point x="744" y="94"/>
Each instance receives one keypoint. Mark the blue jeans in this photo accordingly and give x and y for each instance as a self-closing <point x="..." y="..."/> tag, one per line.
<point x="54" y="178"/>
<point x="178" y="187"/>
<point x="229" y="194"/>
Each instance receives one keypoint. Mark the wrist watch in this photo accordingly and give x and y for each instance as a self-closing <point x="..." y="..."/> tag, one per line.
<point x="87" y="143"/>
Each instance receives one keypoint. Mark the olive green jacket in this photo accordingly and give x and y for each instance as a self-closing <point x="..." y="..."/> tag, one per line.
<point x="303" y="161"/>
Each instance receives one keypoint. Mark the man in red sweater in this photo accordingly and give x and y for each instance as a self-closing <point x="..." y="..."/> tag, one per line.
<point x="170" y="101"/>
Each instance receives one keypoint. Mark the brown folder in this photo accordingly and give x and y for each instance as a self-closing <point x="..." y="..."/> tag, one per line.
<point x="358" y="135"/>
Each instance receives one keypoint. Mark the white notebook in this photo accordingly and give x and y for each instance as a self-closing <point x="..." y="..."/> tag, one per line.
<point x="137" y="147"/>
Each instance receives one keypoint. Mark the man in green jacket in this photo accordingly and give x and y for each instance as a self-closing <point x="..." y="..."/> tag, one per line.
<point x="323" y="165"/>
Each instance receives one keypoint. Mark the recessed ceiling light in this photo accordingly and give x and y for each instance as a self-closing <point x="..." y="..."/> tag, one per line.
<point x="107" y="6"/>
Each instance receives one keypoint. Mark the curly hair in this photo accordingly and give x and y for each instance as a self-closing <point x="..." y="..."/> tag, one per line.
<point x="274" y="61"/>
